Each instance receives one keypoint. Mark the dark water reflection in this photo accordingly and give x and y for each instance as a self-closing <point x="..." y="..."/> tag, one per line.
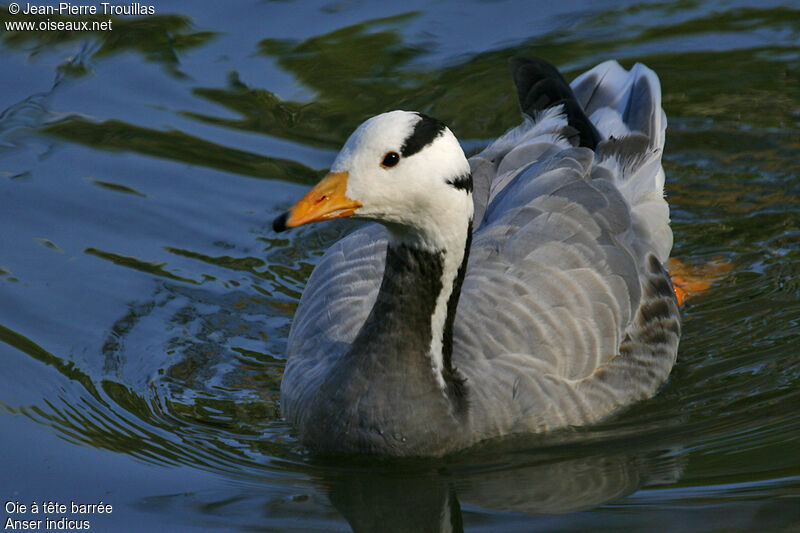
<point x="145" y="303"/>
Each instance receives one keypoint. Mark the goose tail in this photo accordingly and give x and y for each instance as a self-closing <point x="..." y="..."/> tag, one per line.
<point x="625" y="108"/>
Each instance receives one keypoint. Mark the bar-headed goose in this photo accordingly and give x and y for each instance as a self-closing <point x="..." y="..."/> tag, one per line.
<point x="519" y="291"/>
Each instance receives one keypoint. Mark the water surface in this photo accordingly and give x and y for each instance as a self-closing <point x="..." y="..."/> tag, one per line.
<point x="145" y="302"/>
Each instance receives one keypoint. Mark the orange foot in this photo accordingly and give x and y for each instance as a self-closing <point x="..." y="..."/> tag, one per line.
<point x="688" y="281"/>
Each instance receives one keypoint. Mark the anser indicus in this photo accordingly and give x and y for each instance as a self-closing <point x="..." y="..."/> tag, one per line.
<point x="519" y="291"/>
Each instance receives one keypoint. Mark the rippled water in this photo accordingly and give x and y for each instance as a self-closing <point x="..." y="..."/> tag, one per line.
<point x="145" y="301"/>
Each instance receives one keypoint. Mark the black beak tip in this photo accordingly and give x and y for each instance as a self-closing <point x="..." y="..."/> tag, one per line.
<point x="279" y="224"/>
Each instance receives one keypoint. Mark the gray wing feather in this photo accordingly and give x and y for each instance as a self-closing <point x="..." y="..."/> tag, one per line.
<point x="335" y="304"/>
<point x="341" y="291"/>
<point x="562" y="259"/>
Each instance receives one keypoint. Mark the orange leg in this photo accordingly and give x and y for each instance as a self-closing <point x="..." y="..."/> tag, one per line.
<point x="688" y="281"/>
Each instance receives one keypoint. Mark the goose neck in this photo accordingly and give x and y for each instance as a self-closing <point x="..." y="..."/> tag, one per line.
<point x="412" y="320"/>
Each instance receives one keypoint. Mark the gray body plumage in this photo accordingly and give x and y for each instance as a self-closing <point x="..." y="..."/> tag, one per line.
<point x="566" y="312"/>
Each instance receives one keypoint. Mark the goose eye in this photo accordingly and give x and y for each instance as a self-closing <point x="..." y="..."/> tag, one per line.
<point x="390" y="159"/>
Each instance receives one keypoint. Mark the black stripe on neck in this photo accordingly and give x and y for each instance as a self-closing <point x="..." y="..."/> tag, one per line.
<point x="406" y="301"/>
<point x="462" y="182"/>
<point x="411" y="284"/>
<point x="425" y="131"/>
<point x="455" y="382"/>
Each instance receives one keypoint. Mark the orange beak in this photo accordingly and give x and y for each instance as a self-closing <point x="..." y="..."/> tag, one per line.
<point x="326" y="201"/>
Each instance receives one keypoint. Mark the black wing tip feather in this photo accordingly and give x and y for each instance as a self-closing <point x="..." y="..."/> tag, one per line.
<point x="540" y="86"/>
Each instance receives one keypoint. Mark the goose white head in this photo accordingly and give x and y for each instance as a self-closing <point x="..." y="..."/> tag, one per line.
<point x="402" y="169"/>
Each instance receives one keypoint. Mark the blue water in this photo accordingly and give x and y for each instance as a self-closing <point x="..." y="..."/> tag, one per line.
<point x="145" y="301"/>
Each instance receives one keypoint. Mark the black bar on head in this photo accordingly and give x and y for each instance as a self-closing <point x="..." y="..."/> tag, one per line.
<point x="425" y="131"/>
